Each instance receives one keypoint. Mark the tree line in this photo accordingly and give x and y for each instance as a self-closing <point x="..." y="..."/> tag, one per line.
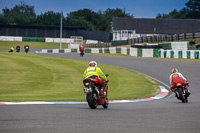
<point x="24" y="14"/>
<point x="191" y="11"/>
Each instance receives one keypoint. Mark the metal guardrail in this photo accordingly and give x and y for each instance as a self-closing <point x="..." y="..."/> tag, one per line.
<point x="98" y="45"/>
<point x="160" y="38"/>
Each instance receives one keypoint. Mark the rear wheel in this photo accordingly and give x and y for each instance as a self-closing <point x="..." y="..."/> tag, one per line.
<point x="105" y="105"/>
<point x="181" y="96"/>
<point x="186" y="98"/>
<point x="92" y="100"/>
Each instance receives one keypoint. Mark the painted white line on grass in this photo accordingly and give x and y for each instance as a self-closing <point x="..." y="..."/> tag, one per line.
<point x="164" y="92"/>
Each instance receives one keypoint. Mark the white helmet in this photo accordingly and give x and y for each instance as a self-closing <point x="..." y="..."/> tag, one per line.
<point x="174" y="70"/>
<point x="93" y="63"/>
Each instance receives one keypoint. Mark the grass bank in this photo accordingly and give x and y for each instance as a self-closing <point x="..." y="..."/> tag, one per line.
<point x="6" y="45"/>
<point x="26" y="77"/>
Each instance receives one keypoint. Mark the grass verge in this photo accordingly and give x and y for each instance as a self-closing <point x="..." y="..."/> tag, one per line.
<point x="6" y="45"/>
<point x="26" y="77"/>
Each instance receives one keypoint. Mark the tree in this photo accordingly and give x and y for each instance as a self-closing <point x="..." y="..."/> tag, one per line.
<point x="48" y="18"/>
<point x="191" y="11"/>
<point x="19" y="14"/>
<point x="78" y="22"/>
<point x="110" y="13"/>
<point x="86" y="18"/>
<point x="98" y="21"/>
<point x="90" y="17"/>
<point x="194" y="9"/>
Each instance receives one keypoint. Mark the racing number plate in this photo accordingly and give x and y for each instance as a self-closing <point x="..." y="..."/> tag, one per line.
<point x="86" y="90"/>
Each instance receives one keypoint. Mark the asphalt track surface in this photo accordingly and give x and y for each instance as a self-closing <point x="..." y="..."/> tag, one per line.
<point x="167" y="115"/>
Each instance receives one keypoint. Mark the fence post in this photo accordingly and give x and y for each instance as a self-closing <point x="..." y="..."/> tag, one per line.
<point x="172" y="38"/>
<point x="184" y="36"/>
<point x="156" y="38"/>
<point x="142" y="40"/>
<point x="193" y="35"/>
<point x="178" y="37"/>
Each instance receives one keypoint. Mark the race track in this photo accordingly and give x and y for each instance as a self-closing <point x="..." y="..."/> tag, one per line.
<point x="167" y="115"/>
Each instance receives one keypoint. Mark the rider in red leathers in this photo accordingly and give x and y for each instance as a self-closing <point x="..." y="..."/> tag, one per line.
<point x="177" y="77"/>
<point x="81" y="49"/>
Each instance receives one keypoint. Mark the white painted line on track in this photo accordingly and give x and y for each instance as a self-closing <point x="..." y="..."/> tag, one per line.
<point x="164" y="92"/>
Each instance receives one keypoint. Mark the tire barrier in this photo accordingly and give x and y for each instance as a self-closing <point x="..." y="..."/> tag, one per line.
<point x="184" y="54"/>
<point x="137" y="52"/>
<point x="10" y="38"/>
<point x="177" y="50"/>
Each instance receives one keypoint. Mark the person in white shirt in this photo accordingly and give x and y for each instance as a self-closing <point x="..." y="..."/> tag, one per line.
<point x="177" y="77"/>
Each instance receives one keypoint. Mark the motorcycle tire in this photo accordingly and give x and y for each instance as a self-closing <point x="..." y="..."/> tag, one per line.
<point x="186" y="98"/>
<point x="92" y="101"/>
<point x="181" y="96"/>
<point x="105" y="105"/>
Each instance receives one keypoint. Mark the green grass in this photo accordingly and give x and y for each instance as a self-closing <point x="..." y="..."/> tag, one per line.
<point x="6" y="45"/>
<point x="26" y="77"/>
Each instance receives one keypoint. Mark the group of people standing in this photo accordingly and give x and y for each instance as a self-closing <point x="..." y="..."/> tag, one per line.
<point x="26" y="48"/>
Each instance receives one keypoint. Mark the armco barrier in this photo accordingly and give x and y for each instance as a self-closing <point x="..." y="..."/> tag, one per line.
<point x="10" y="38"/>
<point x="124" y="51"/>
<point x="33" y="39"/>
<point x="184" y="54"/>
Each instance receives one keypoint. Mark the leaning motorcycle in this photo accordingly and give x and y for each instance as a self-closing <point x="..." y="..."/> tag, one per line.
<point x="93" y="93"/>
<point x="181" y="92"/>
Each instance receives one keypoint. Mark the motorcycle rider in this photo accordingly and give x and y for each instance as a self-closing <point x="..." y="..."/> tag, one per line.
<point x="18" y="48"/>
<point x="177" y="77"/>
<point x="26" y="46"/>
<point x="95" y="72"/>
<point x="11" y="49"/>
<point x="81" y="49"/>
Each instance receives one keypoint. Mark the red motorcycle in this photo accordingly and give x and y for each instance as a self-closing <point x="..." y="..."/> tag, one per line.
<point x="92" y="91"/>
<point x="181" y="92"/>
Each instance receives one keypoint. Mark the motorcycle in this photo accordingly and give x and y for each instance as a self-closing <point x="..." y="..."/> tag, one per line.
<point x="81" y="53"/>
<point x="181" y="92"/>
<point x="93" y="93"/>
<point x="26" y="49"/>
<point x="18" y="50"/>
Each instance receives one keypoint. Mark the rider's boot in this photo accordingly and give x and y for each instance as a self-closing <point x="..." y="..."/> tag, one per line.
<point x="187" y="90"/>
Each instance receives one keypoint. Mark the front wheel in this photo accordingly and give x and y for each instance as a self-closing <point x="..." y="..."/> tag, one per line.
<point x="105" y="105"/>
<point x="92" y="100"/>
